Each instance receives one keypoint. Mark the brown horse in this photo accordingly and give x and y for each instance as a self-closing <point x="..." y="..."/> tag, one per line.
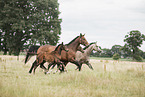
<point x="33" y="51"/>
<point x="80" y="49"/>
<point x="65" y="56"/>
<point x="53" y="57"/>
<point x="70" y="55"/>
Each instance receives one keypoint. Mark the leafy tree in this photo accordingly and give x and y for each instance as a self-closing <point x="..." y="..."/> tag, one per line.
<point x="126" y="51"/>
<point x="106" y="53"/>
<point x="32" y="21"/>
<point x="116" y="49"/>
<point x="133" y="41"/>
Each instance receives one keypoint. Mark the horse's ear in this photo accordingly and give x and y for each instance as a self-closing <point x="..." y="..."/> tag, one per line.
<point x="84" y="35"/>
<point x="62" y="43"/>
<point x="81" y="35"/>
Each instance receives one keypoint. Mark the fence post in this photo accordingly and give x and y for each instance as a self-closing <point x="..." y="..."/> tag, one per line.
<point x="105" y="67"/>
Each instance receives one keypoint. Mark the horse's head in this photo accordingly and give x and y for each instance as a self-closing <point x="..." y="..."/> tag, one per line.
<point x="83" y="40"/>
<point x="96" y="47"/>
<point x="63" y="47"/>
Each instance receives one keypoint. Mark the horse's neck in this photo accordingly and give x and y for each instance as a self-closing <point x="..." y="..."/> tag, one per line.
<point x="58" y="51"/>
<point x="89" y="50"/>
<point x="74" y="45"/>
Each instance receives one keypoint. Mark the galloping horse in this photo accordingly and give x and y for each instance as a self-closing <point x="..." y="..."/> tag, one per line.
<point x="83" y="58"/>
<point x="53" y="57"/>
<point x="65" y="56"/>
<point x="70" y="55"/>
<point x="80" y="49"/>
<point x="33" y="51"/>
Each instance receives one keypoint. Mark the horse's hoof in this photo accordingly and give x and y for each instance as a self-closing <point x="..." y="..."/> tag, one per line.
<point x="65" y="71"/>
<point x="46" y="72"/>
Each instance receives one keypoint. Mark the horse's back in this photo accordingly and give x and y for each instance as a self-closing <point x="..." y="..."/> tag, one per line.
<point x="46" y="48"/>
<point x="33" y="48"/>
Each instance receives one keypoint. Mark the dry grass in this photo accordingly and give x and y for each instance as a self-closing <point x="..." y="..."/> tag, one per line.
<point x="121" y="79"/>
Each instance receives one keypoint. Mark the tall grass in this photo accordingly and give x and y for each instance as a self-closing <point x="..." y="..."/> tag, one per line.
<point x="121" y="79"/>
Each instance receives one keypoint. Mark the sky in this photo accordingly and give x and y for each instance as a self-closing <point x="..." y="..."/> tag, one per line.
<point x="104" y="21"/>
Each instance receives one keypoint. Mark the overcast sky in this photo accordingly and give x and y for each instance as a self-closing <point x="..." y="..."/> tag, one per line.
<point x="104" y="21"/>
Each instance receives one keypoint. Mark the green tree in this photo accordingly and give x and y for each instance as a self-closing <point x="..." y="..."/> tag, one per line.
<point x="133" y="41"/>
<point x="28" y="21"/>
<point x="116" y="49"/>
<point x="106" y="53"/>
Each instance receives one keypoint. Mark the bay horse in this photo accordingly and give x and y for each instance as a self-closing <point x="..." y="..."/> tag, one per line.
<point x="31" y="52"/>
<point x="70" y="55"/>
<point x="53" y="57"/>
<point x="65" y="56"/>
<point x="80" y="49"/>
<point x="83" y="58"/>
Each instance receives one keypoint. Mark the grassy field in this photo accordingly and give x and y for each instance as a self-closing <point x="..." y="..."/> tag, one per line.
<point x="108" y="79"/>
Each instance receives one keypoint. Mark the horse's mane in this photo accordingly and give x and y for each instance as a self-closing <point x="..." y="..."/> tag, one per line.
<point x="57" y="47"/>
<point x="89" y="45"/>
<point x="72" y="40"/>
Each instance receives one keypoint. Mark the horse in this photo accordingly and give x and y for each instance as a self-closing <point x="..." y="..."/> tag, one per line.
<point x="80" y="49"/>
<point x="65" y="56"/>
<point x="70" y="55"/>
<point x="83" y="58"/>
<point x="31" y="52"/>
<point x="53" y="57"/>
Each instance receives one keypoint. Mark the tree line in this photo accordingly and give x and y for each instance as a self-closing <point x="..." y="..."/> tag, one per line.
<point x="133" y="40"/>
<point x="28" y="22"/>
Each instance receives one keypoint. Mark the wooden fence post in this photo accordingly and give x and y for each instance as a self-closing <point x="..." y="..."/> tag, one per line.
<point x="105" y="67"/>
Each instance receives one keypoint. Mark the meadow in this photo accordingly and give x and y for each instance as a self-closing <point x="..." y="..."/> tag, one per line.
<point x="108" y="79"/>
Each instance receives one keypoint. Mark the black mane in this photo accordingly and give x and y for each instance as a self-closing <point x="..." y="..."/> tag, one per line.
<point x="72" y="40"/>
<point x="57" y="47"/>
<point x="89" y="45"/>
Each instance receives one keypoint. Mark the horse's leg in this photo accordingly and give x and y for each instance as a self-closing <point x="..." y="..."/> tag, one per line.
<point x="27" y="58"/>
<point x="64" y="68"/>
<point x="34" y="63"/>
<point x="42" y="66"/>
<point x="53" y="66"/>
<point x="76" y="63"/>
<point x="35" y="66"/>
<point x="89" y="65"/>
<point x="78" y="67"/>
<point x="49" y="67"/>
<point x="58" y="67"/>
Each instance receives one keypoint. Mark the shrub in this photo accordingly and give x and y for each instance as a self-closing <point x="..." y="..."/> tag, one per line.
<point x="116" y="56"/>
